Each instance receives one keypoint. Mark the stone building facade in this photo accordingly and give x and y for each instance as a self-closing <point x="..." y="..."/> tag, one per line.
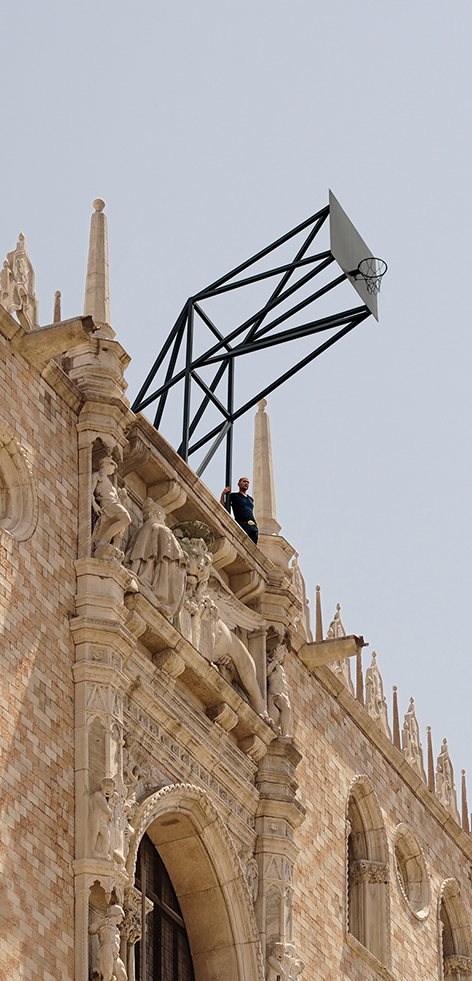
<point x="192" y="787"/>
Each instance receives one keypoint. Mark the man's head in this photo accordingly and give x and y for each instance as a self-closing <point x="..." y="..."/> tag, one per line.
<point x="243" y="484"/>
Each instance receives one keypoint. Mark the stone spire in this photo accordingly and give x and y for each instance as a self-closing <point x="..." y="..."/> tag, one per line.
<point x="97" y="290"/>
<point x="263" y="474"/>
<point x="396" y="720"/>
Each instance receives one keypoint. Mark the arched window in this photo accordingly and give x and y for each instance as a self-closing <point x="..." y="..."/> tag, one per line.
<point x="454" y="933"/>
<point x="166" y="949"/>
<point x="368" y="871"/>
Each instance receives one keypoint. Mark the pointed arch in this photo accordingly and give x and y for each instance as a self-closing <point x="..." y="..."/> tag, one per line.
<point x="199" y="855"/>
<point x="455" y="947"/>
<point x="368" y="906"/>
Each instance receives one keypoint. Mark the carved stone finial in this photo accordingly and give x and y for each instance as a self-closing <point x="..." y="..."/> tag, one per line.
<point x="17" y="293"/>
<point x="318" y="618"/>
<point x="465" y="811"/>
<point x="431" y="785"/>
<point x="375" y="701"/>
<point x="97" y="288"/>
<point x="263" y="474"/>
<point x="411" y="743"/>
<point x="340" y="668"/>
<point x="445" y="787"/>
<point x="396" y="720"/>
<point x="57" y="308"/>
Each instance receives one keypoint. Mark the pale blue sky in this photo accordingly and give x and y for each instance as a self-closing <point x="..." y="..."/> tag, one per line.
<point x="211" y="128"/>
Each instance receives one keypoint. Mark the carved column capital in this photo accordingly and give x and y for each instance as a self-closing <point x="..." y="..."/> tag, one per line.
<point x="366" y="871"/>
<point x="457" y="964"/>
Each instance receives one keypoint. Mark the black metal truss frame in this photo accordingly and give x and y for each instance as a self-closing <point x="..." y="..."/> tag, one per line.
<point x="257" y="337"/>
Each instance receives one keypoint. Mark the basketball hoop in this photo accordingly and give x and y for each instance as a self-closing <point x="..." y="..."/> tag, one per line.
<point x="371" y="270"/>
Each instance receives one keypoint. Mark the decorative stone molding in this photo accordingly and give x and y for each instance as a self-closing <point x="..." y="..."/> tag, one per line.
<point x="194" y="807"/>
<point x="18" y="499"/>
<point x="412" y="875"/>
<point x="367" y="871"/>
<point x="160" y="741"/>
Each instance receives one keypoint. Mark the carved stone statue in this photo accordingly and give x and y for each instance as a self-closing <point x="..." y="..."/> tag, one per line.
<point x="251" y="871"/>
<point x="411" y="743"/>
<point x="17" y="293"/>
<point x="100" y="819"/>
<point x="375" y="701"/>
<point x="109" y="966"/>
<point x="113" y="517"/>
<point x="201" y="621"/>
<point x="283" y="964"/>
<point x="278" y="701"/>
<point x="156" y="557"/>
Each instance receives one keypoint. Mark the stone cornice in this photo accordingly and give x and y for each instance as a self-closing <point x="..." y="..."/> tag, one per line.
<point x="394" y="757"/>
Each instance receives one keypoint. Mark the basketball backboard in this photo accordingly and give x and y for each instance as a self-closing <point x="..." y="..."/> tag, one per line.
<point x="349" y="249"/>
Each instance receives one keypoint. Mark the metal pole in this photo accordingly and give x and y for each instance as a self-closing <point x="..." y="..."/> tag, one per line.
<point x="229" y="437"/>
<point x="187" y="388"/>
<point x="219" y="439"/>
<point x="158" y="361"/>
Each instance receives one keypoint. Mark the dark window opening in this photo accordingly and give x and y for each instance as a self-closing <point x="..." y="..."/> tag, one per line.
<point x="166" y="948"/>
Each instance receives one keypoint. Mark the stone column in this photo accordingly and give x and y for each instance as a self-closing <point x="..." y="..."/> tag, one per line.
<point x="278" y="815"/>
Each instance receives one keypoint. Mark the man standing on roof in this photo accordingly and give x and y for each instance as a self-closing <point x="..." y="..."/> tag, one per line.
<point x="243" y="508"/>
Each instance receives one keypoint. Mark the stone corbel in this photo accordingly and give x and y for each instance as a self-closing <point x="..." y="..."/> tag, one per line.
<point x="253" y="747"/>
<point x="223" y="715"/>
<point x="224" y="553"/>
<point x="247" y="585"/>
<point x="170" y="662"/>
<point x="135" y="455"/>
<point x="169" y="494"/>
